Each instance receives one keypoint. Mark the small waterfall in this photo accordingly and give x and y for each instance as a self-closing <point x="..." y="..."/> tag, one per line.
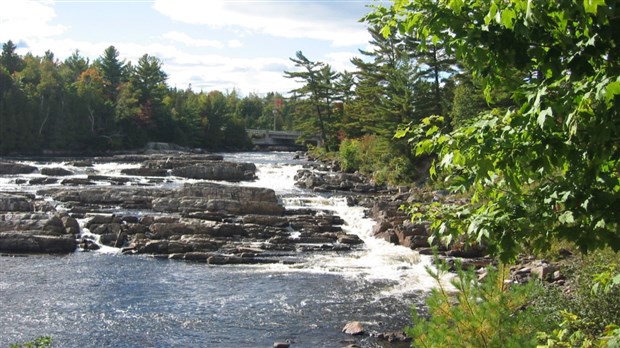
<point x="377" y="260"/>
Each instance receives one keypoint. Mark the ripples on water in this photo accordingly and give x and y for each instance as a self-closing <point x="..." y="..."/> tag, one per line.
<point x="112" y="300"/>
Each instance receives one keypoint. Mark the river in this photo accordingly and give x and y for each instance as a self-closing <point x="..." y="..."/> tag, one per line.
<point x="107" y="299"/>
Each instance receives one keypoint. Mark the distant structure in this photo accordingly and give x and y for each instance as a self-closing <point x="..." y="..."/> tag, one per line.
<point x="269" y="140"/>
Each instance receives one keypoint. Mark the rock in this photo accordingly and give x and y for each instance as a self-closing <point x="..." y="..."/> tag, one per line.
<point x="324" y="182"/>
<point x="145" y="171"/>
<point x="393" y="336"/>
<point x="76" y="182"/>
<point x="42" y="181"/>
<point x="130" y="198"/>
<point x="88" y="245"/>
<point x="114" y="180"/>
<point x="266" y="220"/>
<point x="218" y="170"/>
<point x="544" y="270"/>
<point x="350" y="239"/>
<point x="44" y="222"/>
<point x="281" y="345"/>
<point x="111" y="228"/>
<point x="389" y="236"/>
<point x="164" y="247"/>
<point x="353" y="328"/>
<point x="164" y="147"/>
<point x="55" y="225"/>
<point x="166" y="230"/>
<point x="10" y="202"/>
<point x="220" y="199"/>
<point x="82" y="163"/>
<point x="12" y="168"/>
<point x="35" y="242"/>
<point x="195" y="256"/>
<point x="56" y="171"/>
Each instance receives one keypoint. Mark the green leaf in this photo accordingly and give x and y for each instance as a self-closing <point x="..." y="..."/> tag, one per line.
<point x="542" y="116"/>
<point x="401" y="133"/>
<point x="611" y="91"/>
<point x="600" y="224"/>
<point x="447" y="159"/>
<point x="507" y="18"/>
<point x="591" y="6"/>
<point x="567" y="217"/>
<point x="432" y="130"/>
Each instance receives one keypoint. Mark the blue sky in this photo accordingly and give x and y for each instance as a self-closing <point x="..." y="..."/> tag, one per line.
<point x="210" y="44"/>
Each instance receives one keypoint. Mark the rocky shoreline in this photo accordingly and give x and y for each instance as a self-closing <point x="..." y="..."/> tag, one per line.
<point x="384" y="205"/>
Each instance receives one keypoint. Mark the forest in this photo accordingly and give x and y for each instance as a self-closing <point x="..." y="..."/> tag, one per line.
<point x="79" y="106"/>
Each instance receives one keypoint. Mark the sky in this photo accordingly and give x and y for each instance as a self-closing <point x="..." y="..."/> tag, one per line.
<point x="222" y="45"/>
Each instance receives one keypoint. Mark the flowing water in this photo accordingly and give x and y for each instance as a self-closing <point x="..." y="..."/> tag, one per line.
<point x="106" y="299"/>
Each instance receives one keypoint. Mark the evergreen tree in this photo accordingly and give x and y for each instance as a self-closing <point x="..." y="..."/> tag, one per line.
<point x="9" y="58"/>
<point x="316" y="98"/>
<point x="113" y="71"/>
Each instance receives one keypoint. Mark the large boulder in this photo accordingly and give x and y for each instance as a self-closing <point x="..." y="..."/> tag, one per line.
<point x="35" y="242"/>
<point x="12" y="168"/>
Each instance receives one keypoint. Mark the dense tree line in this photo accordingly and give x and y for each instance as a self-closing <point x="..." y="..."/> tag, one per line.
<point x="398" y="80"/>
<point x="109" y="104"/>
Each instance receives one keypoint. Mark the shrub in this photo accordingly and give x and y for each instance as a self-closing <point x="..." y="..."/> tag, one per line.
<point x="488" y="313"/>
<point x="595" y="306"/>
<point x="374" y="156"/>
<point x="349" y="155"/>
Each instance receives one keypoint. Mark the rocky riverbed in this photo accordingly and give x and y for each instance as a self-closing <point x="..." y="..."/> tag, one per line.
<point x="200" y="221"/>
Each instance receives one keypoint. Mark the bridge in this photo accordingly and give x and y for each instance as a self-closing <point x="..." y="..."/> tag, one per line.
<point x="280" y="140"/>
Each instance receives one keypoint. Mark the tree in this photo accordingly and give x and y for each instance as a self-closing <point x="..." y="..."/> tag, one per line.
<point x="113" y="70"/>
<point x="548" y="168"/>
<point x="90" y="89"/>
<point x="9" y="58"/>
<point x="316" y="96"/>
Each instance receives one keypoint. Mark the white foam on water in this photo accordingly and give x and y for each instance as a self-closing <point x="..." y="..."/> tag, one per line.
<point x="376" y="260"/>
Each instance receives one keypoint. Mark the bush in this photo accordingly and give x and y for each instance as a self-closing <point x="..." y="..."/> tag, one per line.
<point x="595" y="307"/>
<point x="349" y="155"/>
<point x="374" y="156"/>
<point x="480" y="314"/>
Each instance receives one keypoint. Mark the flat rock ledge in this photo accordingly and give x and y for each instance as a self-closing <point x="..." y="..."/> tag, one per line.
<point x="204" y="222"/>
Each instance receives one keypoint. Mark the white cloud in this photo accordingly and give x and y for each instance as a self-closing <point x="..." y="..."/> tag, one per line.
<point x="189" y="41"/>
<point x="235" y="43"/>
<point x="281" y="19"/>
<point x="22" y="20"/>
<point x="204" y="71"/>
<point x="340" y="61"/>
